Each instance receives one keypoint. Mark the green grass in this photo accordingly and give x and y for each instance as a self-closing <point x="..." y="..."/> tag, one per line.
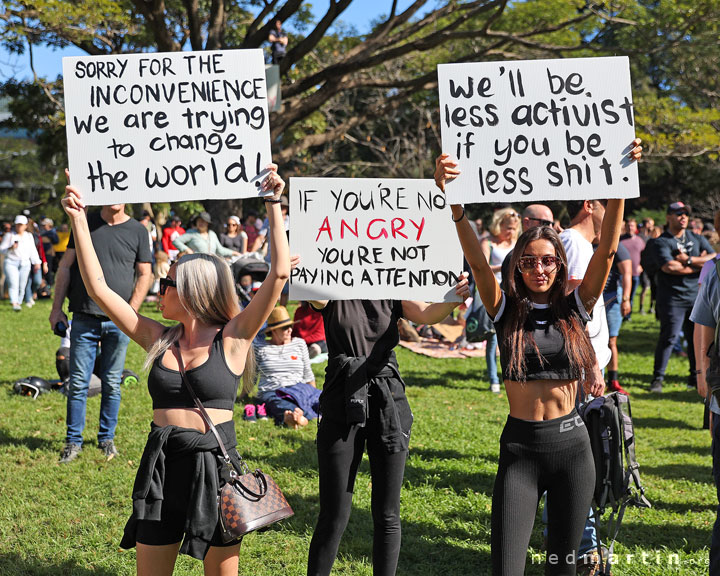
<point x="68" y="520"/>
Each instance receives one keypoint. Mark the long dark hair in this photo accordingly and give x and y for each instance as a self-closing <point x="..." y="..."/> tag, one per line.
<point x="519" y="303"/>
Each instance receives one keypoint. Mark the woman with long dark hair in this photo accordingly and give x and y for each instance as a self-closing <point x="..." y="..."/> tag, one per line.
<point x="175" y="494"/>
<point x="545" y="355"/>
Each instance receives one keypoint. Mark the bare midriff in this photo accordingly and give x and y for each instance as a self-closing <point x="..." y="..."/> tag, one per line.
<point x="190" y="417"/>
<point x="541" y="399"/>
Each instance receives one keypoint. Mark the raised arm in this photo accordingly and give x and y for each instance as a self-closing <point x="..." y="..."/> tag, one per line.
<point x="426" y="313"/>
<point x="248" y="323"/>
<point x="142" y="330"/>
<point x="180" y="243"/>
<point x="445" y="170"/>
<point x="592" y="285"/>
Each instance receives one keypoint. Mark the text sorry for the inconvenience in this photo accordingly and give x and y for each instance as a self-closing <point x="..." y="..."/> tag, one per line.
<point x="167" y="127"/>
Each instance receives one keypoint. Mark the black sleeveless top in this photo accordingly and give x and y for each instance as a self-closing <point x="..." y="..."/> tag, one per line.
<point x="553" y="362"/>
<point x="213" y="382"/>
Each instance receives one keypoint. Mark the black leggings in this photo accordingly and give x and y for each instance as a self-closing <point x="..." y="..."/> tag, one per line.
<point x="536" y="456"/>
<point x="340" y="449"/>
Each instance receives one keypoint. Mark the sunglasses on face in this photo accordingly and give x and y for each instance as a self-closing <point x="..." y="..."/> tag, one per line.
<point x="541" y="222"/>
<point x="166" y="283"/>
<point x="529" y="263"/>
<point x="678" y="214"/>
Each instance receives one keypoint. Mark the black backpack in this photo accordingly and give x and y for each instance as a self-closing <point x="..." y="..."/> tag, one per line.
<point x="649" y="259"/>
<point x="617" y="477"/>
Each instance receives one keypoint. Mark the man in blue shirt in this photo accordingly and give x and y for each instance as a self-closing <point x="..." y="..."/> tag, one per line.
<point x="681" y="254"/>
<point x="706" y="315"/>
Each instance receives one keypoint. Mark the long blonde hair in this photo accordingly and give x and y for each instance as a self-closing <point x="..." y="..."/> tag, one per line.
<point x="206" y="291"/>
<point x="499" y="216"/>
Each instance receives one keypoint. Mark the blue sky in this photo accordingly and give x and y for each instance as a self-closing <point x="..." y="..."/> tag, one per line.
<point x="48" y="63"/>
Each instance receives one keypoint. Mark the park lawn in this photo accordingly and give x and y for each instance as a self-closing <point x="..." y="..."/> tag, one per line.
<point x="68" y="520"/>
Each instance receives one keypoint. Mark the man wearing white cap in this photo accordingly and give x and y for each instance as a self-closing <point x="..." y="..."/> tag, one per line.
<point x="21" y="255"/>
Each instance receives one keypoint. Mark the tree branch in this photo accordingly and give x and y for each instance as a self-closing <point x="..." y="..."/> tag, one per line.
<point x="255" y="39"/>
<point x="215" y="25"/>
<point x="194" y="25"/>
<point x="307" y="44"/>
<point x="154" y="13"/>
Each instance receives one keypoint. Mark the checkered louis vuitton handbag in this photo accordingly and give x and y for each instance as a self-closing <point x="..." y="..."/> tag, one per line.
<point x="249" y="500"/>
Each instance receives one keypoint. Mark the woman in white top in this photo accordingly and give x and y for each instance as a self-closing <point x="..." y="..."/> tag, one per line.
<point x="504" y="230"/>
<point x="21" y="255"/>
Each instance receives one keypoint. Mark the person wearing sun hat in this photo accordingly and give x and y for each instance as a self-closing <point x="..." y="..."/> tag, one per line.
<point x="21" y="255"/>
<point x="680" y="254"/>
<point x="286" y="384"/>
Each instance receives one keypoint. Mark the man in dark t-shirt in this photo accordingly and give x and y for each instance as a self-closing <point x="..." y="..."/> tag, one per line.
<point x="121" y="244"/>
<point x="681" y="254"/>
<point x="278" y="42"/>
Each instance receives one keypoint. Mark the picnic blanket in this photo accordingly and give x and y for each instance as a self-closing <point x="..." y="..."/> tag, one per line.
<point x="441" y="349"/>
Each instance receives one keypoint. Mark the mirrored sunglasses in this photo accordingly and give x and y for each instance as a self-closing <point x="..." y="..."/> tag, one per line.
<point x="529" y="263"/>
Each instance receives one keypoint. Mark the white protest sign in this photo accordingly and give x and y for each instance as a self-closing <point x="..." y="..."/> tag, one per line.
<point x="372" y="239"/>
<point x="167" y="127"/>
<point x="524" y="131"/>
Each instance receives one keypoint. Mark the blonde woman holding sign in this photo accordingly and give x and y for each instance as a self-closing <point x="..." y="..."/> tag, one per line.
<point x="175" y="494"/>
<point x="545" y="352"/>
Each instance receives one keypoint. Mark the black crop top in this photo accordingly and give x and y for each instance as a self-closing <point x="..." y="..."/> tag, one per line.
<point x="213" y="382"/>
<point x="549" y="340"/>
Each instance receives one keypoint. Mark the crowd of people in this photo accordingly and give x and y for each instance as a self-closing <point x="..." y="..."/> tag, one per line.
<point x="558" y="299"/>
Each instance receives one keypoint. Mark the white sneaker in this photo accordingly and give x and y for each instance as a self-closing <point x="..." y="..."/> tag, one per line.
<point x="495" y="388"/>
<point x="17" y="307"/>
<point x="30" y="303"/>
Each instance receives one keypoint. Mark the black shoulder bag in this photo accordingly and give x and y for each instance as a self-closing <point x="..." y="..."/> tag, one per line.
<point x="249" y="500"/>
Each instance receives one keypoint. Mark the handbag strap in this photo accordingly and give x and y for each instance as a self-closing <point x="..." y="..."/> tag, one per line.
<point x="200" y="407"/>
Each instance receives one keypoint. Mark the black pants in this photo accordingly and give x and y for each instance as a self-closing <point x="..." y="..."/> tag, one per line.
<point x="340" y="449"/>
<point x="536" y="456"/>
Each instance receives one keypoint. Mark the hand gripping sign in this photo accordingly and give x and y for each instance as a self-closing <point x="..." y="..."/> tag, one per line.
<point x="372" y="239"/>
<point x="167" y="127"/>
<point x="526" y="131"/>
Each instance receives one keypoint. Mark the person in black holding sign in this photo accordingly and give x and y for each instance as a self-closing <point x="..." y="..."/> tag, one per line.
<point x="363" y="402"/>
<point x="544" y="352"/>
<point x="175" y="506"/>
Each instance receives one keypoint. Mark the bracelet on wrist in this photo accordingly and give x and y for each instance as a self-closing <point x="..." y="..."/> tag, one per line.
<point x="461" y="216"/>
<point x="272" y="200"/>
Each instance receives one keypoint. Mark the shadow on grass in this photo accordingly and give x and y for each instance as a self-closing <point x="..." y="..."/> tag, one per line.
<point x="681" y="507"/>
<point x="429" y="454"/>
<point x="674" y="537"/>
<point x="692" y="472"/>
<point x="639" y="422"/>
<point x="16" y="565"/>
<point x="423" y="544"/>
<point x="448" y="379"/>
<point x="30" y="442"/>
<point x="688" y="449"/>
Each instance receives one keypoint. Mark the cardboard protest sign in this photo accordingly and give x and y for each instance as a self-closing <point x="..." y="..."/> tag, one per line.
<point x="532" y="130"/>
<point x="167" y="127"/>
<point x="372" y="239"/>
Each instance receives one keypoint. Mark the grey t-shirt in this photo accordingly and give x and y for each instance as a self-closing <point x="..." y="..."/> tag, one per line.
<point x="706" y="311"/>
<point x="118" y="248"/>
